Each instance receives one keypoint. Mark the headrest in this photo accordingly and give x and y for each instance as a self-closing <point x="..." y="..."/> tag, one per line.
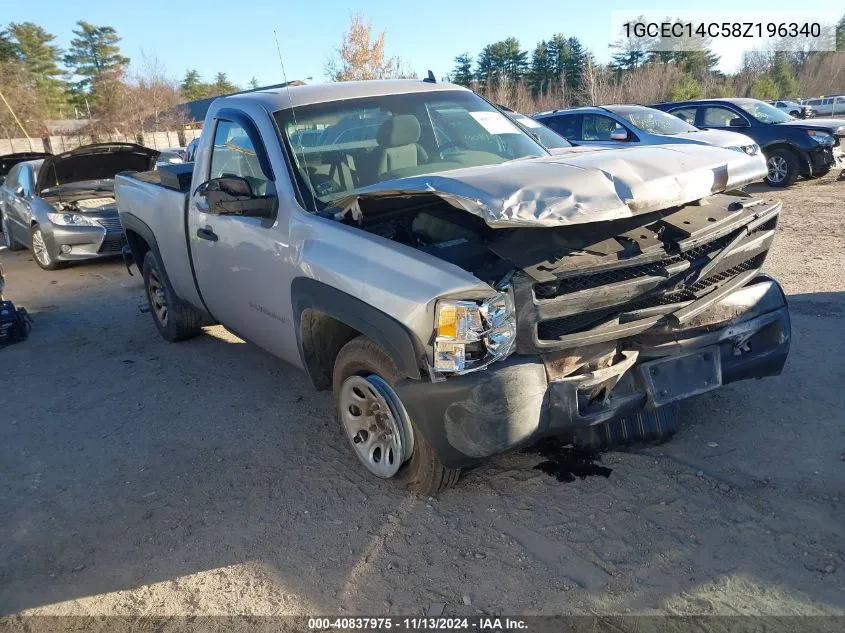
<point x="402" y="129"/>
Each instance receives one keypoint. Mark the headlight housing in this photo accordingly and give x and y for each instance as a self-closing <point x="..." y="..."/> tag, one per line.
<point x="751" y="150"/>
<point x="469" y="335"/>
<point x="820" y="137"/>
<point x="70" y="219"/>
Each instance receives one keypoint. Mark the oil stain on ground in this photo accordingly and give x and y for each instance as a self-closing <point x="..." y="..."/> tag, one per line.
<point x="566" y="463"/>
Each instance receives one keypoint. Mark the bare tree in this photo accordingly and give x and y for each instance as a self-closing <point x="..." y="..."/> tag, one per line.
<point x="362" y="57"/>
<point x="23" y="100"/>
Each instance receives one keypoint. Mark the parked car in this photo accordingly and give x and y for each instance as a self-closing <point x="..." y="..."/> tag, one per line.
<point x="832" y="105"/>
<point x="191" y="150"/>
<point x="7" y="161"/>
<point x="172" y="156"/>
<point x="631" y="125"/>
<point x="794" y="109"/>
<point x="792" y="147"/>
<point x="550" y="139"/>
<point x="62" y="207"/>
<point x="467" y="297"/>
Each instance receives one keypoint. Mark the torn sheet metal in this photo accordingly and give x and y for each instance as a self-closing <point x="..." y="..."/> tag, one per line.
<point x="577" y="187"/>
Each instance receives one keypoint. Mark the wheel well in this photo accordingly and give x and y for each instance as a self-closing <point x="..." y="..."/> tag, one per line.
<point x="802" y="162"/>
<point x="138" y="245"/>
<point x="322" y="338"/>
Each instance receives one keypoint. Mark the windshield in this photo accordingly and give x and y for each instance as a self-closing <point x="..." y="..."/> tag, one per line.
<point x="653" y="121"/>
<point x="342" y="146"/>
<point x="548" y="137"/>
<point x="762" y="111"/>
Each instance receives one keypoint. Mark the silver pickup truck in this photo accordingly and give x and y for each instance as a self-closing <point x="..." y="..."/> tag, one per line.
<point x="462" y="291"/>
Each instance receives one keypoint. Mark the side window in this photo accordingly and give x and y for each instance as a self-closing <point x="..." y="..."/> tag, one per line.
<point x="596" y="127"/>
<point x="12" y="177"/>
<point x="234" y="154"/>
<point x="568" y="126"/>
<point x="718" y="117"/>
<point x="687" y="115"/>
<point x="25" y="180"/>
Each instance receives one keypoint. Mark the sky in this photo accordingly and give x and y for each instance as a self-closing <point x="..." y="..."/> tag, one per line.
<point x="237" y="38"/>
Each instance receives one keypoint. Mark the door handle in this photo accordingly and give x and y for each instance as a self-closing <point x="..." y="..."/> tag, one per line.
<point x="207" y="234"/>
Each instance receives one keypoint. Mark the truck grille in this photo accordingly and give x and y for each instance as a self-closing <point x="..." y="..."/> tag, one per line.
<point x="553" y="313"/>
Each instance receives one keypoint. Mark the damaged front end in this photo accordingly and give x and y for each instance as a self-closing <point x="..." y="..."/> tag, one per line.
<point x="614" y="320"/>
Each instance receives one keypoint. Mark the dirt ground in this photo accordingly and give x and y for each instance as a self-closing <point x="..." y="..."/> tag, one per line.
<point x="145" y="478"/>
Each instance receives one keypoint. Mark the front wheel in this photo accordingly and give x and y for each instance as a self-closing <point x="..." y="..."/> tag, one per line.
<point x="375" y="422"/>
<point x="174" y="320"/>
<point x="783" y="168"/>
<point x="41" y="252"/>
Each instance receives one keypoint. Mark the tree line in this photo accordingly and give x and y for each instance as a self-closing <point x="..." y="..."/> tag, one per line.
<point x="90" y="80"/>
<point x="560" y="72"/>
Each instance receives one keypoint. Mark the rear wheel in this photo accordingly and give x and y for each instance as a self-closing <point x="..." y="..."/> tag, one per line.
<point x="8" y="240"/>
<point x="783" y="168"/>
<point x="375" y="422"/>
<point x="174" y="320"/>
<point x="41" y="252"/>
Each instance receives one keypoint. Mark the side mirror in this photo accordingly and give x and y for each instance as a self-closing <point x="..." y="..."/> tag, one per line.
<point x="18" y="191"/>
<point x="738" y="122"/>
<point x="232" y="195"/>
<point x="619" y="135"/>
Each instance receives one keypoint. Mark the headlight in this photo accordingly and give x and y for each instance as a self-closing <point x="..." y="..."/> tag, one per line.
<point x="820" y="137"/>
<point x="469" y="335"/>
<point x="70" y="219"/>
<point x="751" y="150"/>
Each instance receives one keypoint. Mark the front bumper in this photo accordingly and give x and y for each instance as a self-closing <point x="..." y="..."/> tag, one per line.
<point x="514" y="402"/>
<point x="85" y="242"/>
<point x="821" y="159"/>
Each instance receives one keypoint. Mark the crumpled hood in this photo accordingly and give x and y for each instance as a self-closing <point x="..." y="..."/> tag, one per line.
<point x="577" y="187"/>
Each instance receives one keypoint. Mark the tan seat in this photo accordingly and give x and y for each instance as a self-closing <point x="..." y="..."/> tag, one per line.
<point x="398" y="146"/>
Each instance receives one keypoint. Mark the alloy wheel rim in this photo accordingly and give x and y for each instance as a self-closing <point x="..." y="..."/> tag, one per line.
<point x="777" y="169"/>
<point x="39" y="248"/>
<point x="157" y="298"/>
<point x="376" y="424"/>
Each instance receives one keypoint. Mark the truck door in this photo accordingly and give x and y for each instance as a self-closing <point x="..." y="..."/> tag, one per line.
<point x="239" y="262"/>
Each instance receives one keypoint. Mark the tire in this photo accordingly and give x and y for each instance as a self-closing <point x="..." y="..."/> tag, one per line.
<point x="783" y="168"/>
<point x="41" y="252"/>
<point x="422" y="472"/>
<point x="795" y="113"/>
<point x="174" y="320"/>
<point x="11" y="243"/>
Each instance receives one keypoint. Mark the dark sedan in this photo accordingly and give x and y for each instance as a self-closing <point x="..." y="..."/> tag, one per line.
<point x="792" y="147"/>
<point x="62" y="207"/>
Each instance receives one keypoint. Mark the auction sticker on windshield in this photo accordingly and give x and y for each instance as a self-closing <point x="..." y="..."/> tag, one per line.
<point x="494" y="122"/>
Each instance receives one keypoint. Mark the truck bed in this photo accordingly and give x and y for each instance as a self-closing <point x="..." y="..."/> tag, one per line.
<point x="153" y="204"/>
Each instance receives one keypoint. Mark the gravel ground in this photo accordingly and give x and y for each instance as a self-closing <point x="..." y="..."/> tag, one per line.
<point x="144" y="478"/>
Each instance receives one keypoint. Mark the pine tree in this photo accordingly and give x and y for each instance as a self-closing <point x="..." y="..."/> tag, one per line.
<point x="8" y="50"/>
<point x="222" y="85"/>
<point x="462" y="74"/>
<point x="574" y="66"/>
<point x="253" y="84"/>
<point x="192" y="86"/>
<point x="40" y="57"/>
<point x="541" y="76"/>
<point x="93" y="52"/>
<point x="784" y="77"/>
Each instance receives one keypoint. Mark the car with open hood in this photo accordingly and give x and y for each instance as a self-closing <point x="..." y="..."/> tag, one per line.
<point x="62" y="207"/>
<point x="793" y="147"/>
<point x="462" y="291"/>
<point x="7" y="161"/>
